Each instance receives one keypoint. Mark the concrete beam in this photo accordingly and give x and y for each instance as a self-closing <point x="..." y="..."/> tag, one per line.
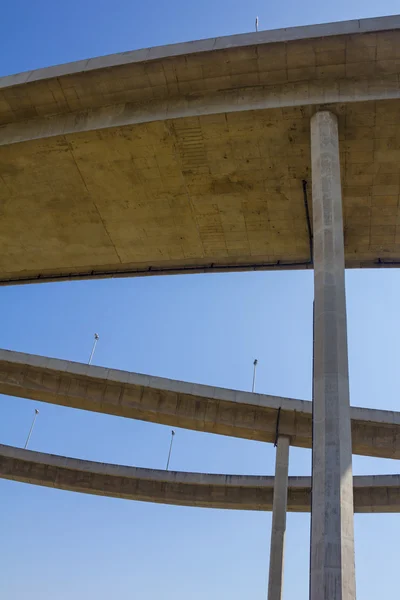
<point x="295" y="94"/>
<point x="378" y="494"/>
<point x="186" y="405"/>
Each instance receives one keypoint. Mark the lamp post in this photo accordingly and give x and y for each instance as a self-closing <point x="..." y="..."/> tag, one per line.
<point x="170" y="449"/>
<point x="31" y="429"/>
<point x="254" y="375"/>
<point x="96" y="339"/>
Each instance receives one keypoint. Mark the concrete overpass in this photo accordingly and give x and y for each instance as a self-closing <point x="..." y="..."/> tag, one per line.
<point x="261" y="151"/>
<point x="187" y="405"/>
<point x="192" y="157"/>
<point x="379" y="494"/>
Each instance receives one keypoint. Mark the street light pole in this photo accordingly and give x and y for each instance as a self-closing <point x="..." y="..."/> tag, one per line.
<point x="170" y="449"/>
<point x="254" y="375"/>
<point x="31" y="429"/>
<point x="96" y="339"/>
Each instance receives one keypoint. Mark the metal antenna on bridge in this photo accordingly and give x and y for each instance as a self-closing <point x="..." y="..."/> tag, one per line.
<point x="96" y="339"/>
<point x="254" y="375"/>
<point x="256" y="23"/>
<point x="170" y="449"/>
<point x="31" y="429"/>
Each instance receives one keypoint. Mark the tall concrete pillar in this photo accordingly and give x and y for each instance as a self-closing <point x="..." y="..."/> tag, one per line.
<point x="332" y="575"/>
<point x="278" y="529"/>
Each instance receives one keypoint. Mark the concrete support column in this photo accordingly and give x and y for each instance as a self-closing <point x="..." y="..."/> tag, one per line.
<point x="332" y="575"/>
<point x="279" y="506"/>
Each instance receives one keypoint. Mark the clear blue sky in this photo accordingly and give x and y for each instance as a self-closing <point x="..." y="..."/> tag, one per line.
<point x="203" y="328"/>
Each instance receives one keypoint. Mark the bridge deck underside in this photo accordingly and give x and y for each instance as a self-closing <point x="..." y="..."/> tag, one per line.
<point x="196" y="161"/>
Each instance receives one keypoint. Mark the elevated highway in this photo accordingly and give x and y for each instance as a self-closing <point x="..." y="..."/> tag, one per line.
<point x="187" y="405"/>
<point x="378" y="494"/>
<point x="193" y="157"/>
<point x="270" y="150"/>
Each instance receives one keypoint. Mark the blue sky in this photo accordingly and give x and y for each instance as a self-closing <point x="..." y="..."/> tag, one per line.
<point x="203" y="328"/>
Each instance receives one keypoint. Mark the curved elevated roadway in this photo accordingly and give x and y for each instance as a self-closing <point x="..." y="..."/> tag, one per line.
<point x="191" y="157"/>
<point x="191" y="406"/>
<point x="371" y="494"/>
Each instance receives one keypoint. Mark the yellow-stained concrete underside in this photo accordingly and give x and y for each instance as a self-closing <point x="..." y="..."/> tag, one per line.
<point x="214" y="190"/>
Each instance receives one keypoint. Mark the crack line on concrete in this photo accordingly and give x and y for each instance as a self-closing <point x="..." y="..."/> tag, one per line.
<point x="93" y="202"/>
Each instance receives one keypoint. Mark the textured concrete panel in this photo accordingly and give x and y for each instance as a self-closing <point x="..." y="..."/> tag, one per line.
<point x="332" y="575"/>
<point x="180" y="404"/>
<point x="241" y="492"/>
<point x="208" y="193"/>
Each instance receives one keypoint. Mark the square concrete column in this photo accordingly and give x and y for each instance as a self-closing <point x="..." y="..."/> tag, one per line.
<point x="332" y="575"/>
<point x="278" y="529"/>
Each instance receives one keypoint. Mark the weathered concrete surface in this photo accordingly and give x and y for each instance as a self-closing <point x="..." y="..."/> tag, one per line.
<point x="243" y="492"/>
<point x="332" y="571"/>
<point x="187" y="405"/>
<point x="191" y="158"/>
<point x="278" y="528"/>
